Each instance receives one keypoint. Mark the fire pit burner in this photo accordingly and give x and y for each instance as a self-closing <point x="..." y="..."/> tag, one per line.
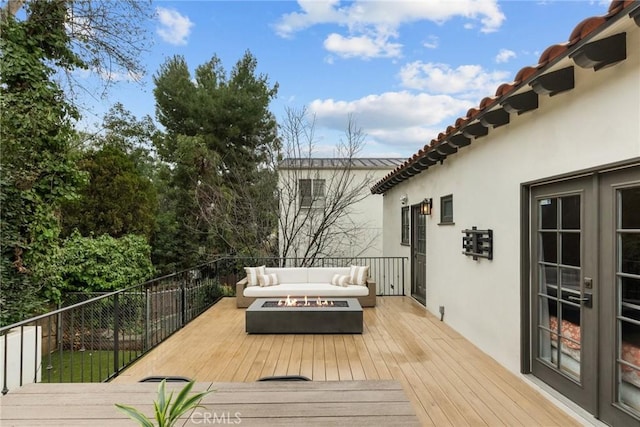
<point x="271" y="304"/>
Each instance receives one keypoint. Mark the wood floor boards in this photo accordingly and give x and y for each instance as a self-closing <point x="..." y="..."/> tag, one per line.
<point x="450" y="382"/>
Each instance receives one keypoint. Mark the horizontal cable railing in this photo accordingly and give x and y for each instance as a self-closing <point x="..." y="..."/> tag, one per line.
<point x="93" y="337"/>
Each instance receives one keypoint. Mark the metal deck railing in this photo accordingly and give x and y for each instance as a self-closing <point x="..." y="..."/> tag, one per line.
<point x="93" y="337"/>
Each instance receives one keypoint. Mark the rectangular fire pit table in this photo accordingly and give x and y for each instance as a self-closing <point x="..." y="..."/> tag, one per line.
<point x="264" y="316"/>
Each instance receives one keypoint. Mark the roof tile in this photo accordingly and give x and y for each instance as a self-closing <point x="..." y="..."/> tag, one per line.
<point x="485" y="103"/>
<point x="552" y="52"/>
<point x="525" y="73"/>
<point x="584" y="28"/>
<point x="504" y="89"/>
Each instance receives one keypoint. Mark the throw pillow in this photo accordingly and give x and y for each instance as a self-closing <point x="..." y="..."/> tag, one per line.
<point x="359" y="274"/>
<point x="268" y="279"/>
<point x="253" y="273"/>
<point x="341" y="280"/>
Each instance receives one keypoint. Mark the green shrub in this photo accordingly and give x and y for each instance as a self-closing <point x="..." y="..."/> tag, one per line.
<point x="104" y="263"/>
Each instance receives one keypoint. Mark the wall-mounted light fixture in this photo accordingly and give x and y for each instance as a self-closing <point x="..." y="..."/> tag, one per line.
<point x="425" y="206"/>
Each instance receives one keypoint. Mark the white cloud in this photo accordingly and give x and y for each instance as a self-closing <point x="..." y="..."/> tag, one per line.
<point x="432" y="42"/>
<point x="468" y="81"/>
<point x="174" y="28"/>
<point x="505" y="55"/>
<point x="393" y="119"/>
<point x="371" y="24"/>
<point x="361" y="46"/>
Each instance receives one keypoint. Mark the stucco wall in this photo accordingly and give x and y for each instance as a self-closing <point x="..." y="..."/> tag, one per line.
<point x="363" y="219"/>
<point x="594" y="124"/>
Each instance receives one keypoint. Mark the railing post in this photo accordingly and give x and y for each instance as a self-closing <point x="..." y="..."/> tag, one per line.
<point x="147" y="319"/>
<point x="5" y="390"/>
<point x="183" y="298"/>
<point x="404" y="262"/>
<point x="116" y="333"/>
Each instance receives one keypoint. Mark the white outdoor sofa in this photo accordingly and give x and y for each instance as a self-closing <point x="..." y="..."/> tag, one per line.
<point x="311" y="282"/>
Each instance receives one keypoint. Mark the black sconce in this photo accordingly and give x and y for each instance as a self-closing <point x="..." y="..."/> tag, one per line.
<point x="425" y="207"/>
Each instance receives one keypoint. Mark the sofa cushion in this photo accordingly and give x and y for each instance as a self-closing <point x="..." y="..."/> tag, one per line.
<point x="253" y="273"/>
<point x="311" y="290"/>
<point x="341" y="280"/>
<point x="359" y="274"/>
<point x="268" y="279"/>
<point x="290" y="274"/>
<point x="325" y="274"/>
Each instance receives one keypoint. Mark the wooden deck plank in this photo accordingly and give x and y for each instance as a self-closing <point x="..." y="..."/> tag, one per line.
<point x="330" y="360"/>
<point x="351" y="354"/>
<point x="448" y="380"/>
<point x="306" y="364"/>
<point x="318" y="359"/>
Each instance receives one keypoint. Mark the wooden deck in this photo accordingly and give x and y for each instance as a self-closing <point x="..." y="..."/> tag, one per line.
<point x="449" y="381"/>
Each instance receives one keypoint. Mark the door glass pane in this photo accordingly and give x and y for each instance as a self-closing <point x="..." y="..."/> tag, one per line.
<point x="630" y="253"/>
<point x="628" y="292"/>
<point x="549" y="247"/>
<point x="547" y="352"/>
<point x="547" y="348"/>
<point x="571" y="213"/>
<point x="570" y="330"/>
<point x="630" y="209"/>
<point x="548" y="214"/>
<point x="570" y="279"/>
<point x="570" y="248"/>
<point x="549" y="276"/>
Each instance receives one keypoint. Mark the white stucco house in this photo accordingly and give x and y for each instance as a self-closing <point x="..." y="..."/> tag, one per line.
<point x="533" y="229"/>
<point x="326" y="208"/>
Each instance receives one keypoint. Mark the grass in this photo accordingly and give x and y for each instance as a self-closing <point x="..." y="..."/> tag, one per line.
<point x="82" y="366"/>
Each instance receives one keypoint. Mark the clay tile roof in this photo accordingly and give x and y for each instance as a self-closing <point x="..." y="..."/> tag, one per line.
<point x="616" y="6"/>
<point x="525" y="73"/>
<point x="585" y="27"/>
<point x="552" y="52"/>
<point x="580" y="32"/>
<point x="461" y="121"/>
<point x="472" y="112"/>
<point x="486" y="102"/>
<point x="504" y="89"/>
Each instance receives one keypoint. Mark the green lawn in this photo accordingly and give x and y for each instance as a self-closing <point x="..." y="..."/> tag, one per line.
<point x="82" y="366"/>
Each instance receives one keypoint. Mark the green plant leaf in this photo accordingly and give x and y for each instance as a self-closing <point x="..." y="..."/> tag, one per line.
<point x="167" y="411"/>
<point x="135" y="415"/>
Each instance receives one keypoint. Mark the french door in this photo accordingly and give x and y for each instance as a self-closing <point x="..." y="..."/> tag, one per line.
<point x="564" y="307"/>
<point x="418" y="255"/>
<point x="585" y="299"/>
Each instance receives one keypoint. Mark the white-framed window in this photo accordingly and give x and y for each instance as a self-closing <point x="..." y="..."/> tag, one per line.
<point x="311" y="193"/>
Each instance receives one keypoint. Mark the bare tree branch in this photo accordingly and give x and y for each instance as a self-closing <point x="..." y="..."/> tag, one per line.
<point x="109" y="36"/>
<point x="321" y="227"/>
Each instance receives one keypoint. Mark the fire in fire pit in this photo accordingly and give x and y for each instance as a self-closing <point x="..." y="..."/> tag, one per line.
<point x="292" y="302"/>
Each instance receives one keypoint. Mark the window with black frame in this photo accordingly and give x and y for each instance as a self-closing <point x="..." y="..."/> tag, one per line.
<point x="405" y="232"/>
<point x="446" y="209"/>
<point x="311" y="192"/>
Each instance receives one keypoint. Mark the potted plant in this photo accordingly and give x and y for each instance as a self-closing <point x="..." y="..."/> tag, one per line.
<point x="166" y="410"/>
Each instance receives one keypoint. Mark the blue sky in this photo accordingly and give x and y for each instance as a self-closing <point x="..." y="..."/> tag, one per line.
<point x="404" y="70"/>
